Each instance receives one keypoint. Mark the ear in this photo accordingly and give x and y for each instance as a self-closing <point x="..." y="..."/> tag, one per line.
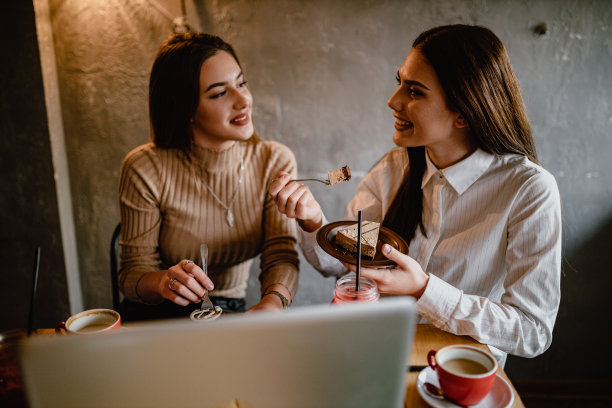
<point x="460" y="122"/>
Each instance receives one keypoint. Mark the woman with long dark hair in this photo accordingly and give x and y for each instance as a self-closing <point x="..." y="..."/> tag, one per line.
<point x="202" y="180"/>
<point x="466" y="191"/>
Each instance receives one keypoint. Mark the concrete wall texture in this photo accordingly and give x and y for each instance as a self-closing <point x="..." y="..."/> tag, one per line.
<point x="321" y="72"/>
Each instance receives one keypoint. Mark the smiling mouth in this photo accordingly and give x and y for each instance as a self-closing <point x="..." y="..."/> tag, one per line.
<point x="240" y="120"/>
<point x="403" y="124"/>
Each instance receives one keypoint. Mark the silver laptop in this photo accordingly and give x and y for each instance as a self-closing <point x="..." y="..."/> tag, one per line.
<point x="314" y="356"/>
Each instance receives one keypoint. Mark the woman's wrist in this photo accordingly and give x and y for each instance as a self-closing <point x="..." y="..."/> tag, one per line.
<point x="311" y="225"/>
<point x="143" y="288"/>
<point x="420" y="292"/>
<point x="274" y="298"/>
<point x="278" y="295"/>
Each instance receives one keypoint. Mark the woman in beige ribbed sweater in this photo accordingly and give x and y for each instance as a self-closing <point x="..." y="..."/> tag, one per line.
<point x="202" y="179"/>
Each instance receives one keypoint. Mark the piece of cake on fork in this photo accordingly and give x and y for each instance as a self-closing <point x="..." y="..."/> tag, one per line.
<point x="336" y="176"/>
<point x="347" y="238"/>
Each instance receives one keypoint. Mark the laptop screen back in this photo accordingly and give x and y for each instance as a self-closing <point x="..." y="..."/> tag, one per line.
<point x="315" y="356"/>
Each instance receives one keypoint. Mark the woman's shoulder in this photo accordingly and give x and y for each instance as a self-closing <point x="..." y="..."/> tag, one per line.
<point x="397" y="155"/>
<point x="393" y="160"/>
<point x="272" y="147"/>
<point x="522" y="165"/>
<point x="387" y="173"/>
<point x="526" y="172"/>
<point x="272" y="151"/>
<point x="148" y="154"/>
<point x="140" y="153"/>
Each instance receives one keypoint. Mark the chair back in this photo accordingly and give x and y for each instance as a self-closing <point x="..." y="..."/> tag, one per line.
<point x="114" y="266"/>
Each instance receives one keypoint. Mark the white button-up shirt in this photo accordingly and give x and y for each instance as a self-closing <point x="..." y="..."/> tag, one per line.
<point x="492" y="250"/>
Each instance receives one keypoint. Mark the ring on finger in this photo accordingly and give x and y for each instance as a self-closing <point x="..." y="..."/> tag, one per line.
<point x="171" y="284"/>
<point x="185" y="265"/>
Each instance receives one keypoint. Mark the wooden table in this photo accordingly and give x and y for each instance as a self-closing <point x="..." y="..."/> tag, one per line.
<point x="428" y="337"/>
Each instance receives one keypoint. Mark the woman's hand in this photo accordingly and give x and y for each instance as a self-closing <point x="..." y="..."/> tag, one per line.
<point x="407" y="278"/>
<point x="295" y="200"/>
<point x="271" y="301"/>
<point x="183" y="283"/>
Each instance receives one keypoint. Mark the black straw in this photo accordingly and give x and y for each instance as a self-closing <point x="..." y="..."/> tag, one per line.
<point x="33" y="295"/>
<point x="357" y="270"/>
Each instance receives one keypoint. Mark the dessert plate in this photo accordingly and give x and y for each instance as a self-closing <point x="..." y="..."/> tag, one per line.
<point x="326" y="237"/>
<point x="500" y="396"/>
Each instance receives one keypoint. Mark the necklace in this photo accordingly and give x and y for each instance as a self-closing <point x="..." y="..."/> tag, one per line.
<point x="229" y="215"/>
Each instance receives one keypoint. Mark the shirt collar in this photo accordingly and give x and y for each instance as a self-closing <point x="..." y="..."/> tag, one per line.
<point x="460" y="175"/>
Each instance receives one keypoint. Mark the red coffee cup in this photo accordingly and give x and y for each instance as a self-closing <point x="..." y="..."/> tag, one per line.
<point x="90" y="322"/>
<point x="466" y="374"/>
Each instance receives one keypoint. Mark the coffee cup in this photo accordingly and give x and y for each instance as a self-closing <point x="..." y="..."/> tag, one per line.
<point x="91" y="322"/>
<point x="466" y="374"/>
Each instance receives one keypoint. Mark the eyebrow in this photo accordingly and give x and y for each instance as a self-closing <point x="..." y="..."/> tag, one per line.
<point x="222" y="83"/>
<point x="414" y="83"/>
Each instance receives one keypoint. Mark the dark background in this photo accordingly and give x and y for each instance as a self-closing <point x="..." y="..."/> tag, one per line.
<point x="28" y="209"/>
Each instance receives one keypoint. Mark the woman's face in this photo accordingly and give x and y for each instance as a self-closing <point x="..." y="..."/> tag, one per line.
<point x="223" y="115"/>
<point x="422" y="116"/>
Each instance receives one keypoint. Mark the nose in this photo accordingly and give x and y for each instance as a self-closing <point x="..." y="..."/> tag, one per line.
<point x="242" y="99"/>
<point x="395" y="101"/>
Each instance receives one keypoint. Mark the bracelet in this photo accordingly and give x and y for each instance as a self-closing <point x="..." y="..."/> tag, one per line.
<point x="283" y="299"/>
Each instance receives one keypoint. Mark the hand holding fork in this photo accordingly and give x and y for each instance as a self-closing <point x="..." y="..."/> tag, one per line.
<point x="207" y="310"/>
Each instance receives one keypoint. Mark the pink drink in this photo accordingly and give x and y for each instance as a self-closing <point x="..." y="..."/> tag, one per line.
<point x="345" y="290"/>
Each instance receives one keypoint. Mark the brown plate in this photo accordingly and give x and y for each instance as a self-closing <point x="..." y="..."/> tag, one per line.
<point x="326" y="237"/>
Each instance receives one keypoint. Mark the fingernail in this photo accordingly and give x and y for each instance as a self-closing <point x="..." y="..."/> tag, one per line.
<point x="387" y="248"/>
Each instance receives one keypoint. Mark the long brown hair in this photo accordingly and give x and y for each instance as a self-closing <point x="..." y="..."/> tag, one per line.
<point x="174" y="86"/>
<point x="475" y="73"/>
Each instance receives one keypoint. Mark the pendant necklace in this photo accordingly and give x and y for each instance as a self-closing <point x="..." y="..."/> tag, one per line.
<point x="229" y="215"/>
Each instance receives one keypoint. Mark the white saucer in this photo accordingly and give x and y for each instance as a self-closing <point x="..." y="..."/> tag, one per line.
<point x="500" y="396"/>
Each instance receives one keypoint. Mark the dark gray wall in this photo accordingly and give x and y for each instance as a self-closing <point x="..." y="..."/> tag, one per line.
<point x="321" y="73"/>
<point x="28" y="207"/>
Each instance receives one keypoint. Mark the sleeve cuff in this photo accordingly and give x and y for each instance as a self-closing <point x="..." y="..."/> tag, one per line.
<point x="129" y="285"/>
<point x="438" y="302"/>
<point x="130" y="288"/>
<point x="308" y="239"/>
<point x="286" y="275"/>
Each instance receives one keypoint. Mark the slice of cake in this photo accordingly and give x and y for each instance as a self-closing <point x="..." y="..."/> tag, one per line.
<point x="336" y="176"/>
<point x="347" y="238"/>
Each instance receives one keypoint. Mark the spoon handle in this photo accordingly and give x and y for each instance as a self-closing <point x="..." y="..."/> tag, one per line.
<point x="437" y="392"/>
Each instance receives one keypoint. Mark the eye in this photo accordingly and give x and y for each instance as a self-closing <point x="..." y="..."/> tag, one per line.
<point x="412" y="91"/>
<point x="397" y="78"/>
<point x="218" y="95"/>
<point x="242" y="84"/>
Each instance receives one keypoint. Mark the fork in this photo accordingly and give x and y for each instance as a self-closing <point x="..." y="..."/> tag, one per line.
<point x="207" y="310"/>
<point x="206" y="302"/>
<point x="324" y="181"/>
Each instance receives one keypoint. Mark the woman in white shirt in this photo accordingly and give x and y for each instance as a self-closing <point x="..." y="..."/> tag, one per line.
<point x="466" y="191"/>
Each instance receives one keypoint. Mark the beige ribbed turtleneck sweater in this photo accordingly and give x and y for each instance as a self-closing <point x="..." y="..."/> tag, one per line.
<point x="167" y="212"/>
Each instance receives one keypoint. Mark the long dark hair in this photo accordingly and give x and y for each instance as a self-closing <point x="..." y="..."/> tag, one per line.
<point x="475" y="73"/>
<point x="174" y="86"/>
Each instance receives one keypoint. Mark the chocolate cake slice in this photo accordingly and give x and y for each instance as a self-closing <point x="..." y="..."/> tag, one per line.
<point x="347" y="238"/>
